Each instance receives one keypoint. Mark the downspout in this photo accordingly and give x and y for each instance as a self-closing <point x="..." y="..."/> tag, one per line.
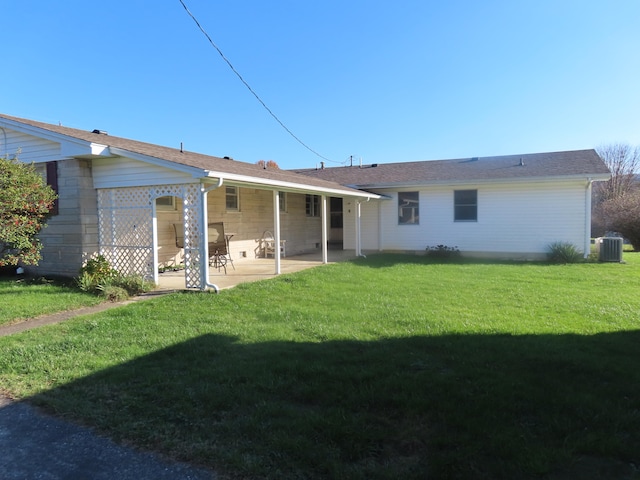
<point x="204" y="248"/>
<point x="587" y="218"/>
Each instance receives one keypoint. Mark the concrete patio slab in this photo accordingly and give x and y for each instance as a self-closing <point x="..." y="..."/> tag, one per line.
<point x="251" y="270"/>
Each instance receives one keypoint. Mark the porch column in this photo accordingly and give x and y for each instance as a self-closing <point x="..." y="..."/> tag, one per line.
<point x="204" y="244"/>
<point x="276" y="229"/>
<point x="324" y="230"/>
<point x="358" y="239"/>
<point x="154" y="238"/>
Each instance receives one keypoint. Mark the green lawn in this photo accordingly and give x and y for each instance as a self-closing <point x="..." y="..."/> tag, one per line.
<point x="383" y="368"/>
<point x="21" y="300"/>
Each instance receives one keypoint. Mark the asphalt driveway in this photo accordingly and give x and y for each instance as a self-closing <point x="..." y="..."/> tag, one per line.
<point x="34" y="445"/>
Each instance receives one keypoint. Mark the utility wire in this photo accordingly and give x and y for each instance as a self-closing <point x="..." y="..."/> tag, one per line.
<point x="249" y="87"/>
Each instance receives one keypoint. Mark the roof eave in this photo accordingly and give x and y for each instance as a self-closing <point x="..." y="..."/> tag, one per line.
<point x="595" y="177"/>
<point x="256" y="182"/>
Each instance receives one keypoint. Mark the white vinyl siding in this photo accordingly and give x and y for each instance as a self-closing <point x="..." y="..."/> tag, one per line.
<point x="126" y="172"/>
<point x="27" y="148"/>
<point x="518" y="219"/>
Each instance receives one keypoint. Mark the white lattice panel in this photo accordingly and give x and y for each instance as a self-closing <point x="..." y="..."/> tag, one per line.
<point x="125" y="217"/>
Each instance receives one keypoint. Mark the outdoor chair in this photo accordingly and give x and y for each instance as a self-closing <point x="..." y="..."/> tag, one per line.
<point x="269" y="245"/>
<point x="219" y="254"/>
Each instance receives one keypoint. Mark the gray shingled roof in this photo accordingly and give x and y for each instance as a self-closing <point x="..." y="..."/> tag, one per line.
<point x="579" y="163"/>
<point x="191" y="159"/>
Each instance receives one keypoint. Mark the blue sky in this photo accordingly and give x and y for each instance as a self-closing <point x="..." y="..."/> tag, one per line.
<point x="388" y="81"/>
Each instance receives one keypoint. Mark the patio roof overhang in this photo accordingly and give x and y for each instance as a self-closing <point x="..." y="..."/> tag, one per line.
<point x="283" y="186"/>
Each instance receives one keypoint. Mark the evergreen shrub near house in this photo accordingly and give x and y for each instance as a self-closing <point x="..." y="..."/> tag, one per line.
<point x="564" y="252"/>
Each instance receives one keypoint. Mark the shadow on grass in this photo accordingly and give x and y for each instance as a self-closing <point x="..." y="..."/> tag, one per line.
<point x="384" y="260"/>
<point x="456" y="406"/>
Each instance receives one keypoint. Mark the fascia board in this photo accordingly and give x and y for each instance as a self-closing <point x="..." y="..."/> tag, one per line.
<point x="583" y="177"/>
<point x="254" y="182"/>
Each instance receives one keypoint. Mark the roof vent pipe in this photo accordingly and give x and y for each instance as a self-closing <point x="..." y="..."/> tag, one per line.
<point x="521" y="162"/>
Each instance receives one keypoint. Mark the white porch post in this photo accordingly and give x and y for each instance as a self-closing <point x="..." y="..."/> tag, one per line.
<point x="358" y="239"/>
<point x="276" y="229"/>
<point x="154" y="237"/>
<point x="204" y="247"/>
<point x="325" y="239"/>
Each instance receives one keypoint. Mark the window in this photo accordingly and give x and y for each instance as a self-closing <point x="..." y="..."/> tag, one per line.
<point x="465" y="205"/>
<point x="312" y="205"/>
<point x="282" y="198"/>
<point x="231" y="201"/>
<point x="166" y="203"/>
<point x="408" y="208"/>
<point x="49" y="173"/>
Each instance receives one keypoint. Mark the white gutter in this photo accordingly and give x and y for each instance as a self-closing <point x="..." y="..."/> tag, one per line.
<point x="594" y="178"/>
<point x="256" y="182"/>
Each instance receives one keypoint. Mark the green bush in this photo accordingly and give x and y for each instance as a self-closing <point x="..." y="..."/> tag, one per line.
<point x="564" y="252"/>
<point x="97" y="276"/>
<point x="112" y="293"/>
<point x="443" y="252"/>
<point x="133" y="284"/>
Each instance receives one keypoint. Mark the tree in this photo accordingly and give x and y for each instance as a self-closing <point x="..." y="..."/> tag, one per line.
<point x="25" y="202"/>
<point x="622" y="215"/>
<point x="616" y="202"/>
<point x="268" y="164"/>
<point x="624" y="162"/>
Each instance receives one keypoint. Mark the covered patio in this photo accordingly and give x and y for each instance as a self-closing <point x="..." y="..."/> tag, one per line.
<point x="251" y="270"/>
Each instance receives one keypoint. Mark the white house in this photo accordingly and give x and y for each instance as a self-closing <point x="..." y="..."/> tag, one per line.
<point x="143" y="206"/>
<point x="509" y="206"/>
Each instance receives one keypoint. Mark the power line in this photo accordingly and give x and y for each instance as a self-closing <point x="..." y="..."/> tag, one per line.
<point x="249" y="86"/>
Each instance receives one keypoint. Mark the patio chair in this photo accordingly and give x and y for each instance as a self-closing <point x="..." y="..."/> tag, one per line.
<point x="218" y="247"/>
<point x="269" y="245"/>
<point x="219" y="254"/>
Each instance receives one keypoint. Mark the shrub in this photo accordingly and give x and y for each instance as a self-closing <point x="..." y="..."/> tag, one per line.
<point x="25" y="204"/>
<point x="97" y="276"/>
<point x="443" y="252"/>
<point x="113" y="293"/>
<point x="564" y="252"/>
<point x="133" y="284"/>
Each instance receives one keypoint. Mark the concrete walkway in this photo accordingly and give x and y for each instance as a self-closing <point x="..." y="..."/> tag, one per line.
<point x="253" y="269"/>
<point x="62" y="316"/>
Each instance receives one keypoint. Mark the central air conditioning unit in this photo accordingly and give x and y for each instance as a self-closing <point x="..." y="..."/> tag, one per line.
<point x="609" y="249"/>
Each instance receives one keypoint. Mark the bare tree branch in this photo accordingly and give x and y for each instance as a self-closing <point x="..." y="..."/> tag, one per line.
<point x="624" y="162"/>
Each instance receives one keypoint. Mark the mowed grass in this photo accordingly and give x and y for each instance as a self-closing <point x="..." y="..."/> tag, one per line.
<point x="383" y="368"/>
<point x="24" y="299"/>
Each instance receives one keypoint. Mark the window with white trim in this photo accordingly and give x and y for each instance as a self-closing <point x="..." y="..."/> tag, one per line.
<point x="282" y="199"/>
<point x="312" y="205"/>
<point x="231" y="199"/>
<point x="408" y="208"/>
<point x="465" y="205"/>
